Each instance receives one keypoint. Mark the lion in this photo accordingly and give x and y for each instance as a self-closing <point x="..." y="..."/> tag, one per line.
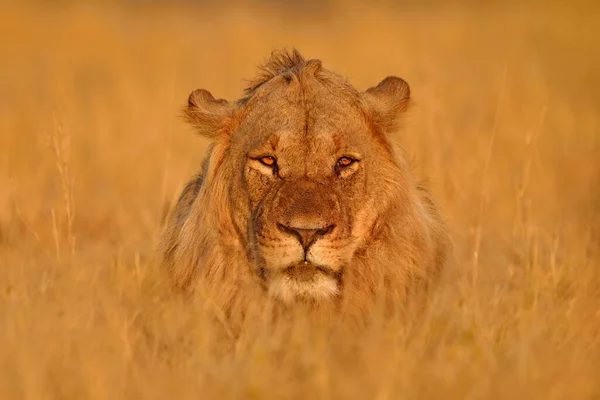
<point x="302" y="198"/>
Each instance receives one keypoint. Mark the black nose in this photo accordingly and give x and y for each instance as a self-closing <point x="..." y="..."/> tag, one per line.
<point x="306" y="237"/>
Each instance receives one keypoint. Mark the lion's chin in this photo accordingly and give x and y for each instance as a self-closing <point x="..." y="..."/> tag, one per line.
<point x="303" y="282"/>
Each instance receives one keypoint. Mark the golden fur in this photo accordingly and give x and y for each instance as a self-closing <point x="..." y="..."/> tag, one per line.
<point x="302" y="198"/>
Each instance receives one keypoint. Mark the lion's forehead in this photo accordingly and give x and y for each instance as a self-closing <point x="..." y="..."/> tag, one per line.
<point x="320" y="140"/>
<point x="301" y="111"/>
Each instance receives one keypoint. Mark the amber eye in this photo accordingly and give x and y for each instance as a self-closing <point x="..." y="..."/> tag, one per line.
<point x="269" y="161"/>
<point x="345" y="161"/>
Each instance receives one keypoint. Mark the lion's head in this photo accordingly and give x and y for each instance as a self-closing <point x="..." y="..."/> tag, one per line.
<point x="302" y="196"/>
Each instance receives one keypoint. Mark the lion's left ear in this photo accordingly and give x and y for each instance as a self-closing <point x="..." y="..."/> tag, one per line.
<point x="208" y="115"/>
<point x="388" y="101"/>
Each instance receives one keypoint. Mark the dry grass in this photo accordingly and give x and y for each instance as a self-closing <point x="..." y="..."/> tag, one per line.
<point x="506" y="125"/>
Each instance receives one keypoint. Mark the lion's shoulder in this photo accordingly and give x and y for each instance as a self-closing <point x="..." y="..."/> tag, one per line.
<point x="179" y="215"/>
<point x="187" y="197"/>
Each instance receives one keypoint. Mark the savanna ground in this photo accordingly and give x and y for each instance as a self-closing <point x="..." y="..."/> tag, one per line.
<point x="506" y="125"/>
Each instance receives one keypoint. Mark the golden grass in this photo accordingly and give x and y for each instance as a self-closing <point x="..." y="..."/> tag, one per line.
<point x="506" y="125"/>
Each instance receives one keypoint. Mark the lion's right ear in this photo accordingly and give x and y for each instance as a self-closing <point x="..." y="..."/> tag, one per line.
<point x="208" y="115"/>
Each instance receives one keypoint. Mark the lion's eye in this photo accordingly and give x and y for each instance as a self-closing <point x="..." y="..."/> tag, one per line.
<point x="345" y="161"/>
<point x="269" y="161"/>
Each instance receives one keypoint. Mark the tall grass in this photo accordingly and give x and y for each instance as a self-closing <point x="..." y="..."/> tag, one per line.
<point x="506" y="126"/>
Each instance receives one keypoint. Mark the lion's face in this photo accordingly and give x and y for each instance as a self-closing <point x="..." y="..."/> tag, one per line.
<point x="307" y="199"/>
<point x="300" y="180"/>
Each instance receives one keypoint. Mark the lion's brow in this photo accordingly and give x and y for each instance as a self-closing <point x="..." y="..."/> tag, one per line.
<point x="274" y="141"/>
<point x="337" y="142"/>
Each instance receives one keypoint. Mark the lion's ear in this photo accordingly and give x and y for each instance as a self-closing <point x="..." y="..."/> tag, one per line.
<point x="388" y="101"/>
<point x="208" y="115"/>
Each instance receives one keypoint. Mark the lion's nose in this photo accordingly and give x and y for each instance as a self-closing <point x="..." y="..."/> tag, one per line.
<point x="306" y="237"/>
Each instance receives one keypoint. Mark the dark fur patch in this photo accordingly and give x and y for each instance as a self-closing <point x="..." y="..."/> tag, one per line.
<point x="280" y="62"/>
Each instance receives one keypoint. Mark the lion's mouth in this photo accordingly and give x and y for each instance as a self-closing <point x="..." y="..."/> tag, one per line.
<point x="306" y="271"/>
<point x="303" y="271"/>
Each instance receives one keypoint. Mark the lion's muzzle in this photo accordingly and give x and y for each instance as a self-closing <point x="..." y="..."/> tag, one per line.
<point x="306" y="236"/>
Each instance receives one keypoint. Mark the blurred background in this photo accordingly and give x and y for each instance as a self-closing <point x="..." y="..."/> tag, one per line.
<point x="93" y="151"/>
